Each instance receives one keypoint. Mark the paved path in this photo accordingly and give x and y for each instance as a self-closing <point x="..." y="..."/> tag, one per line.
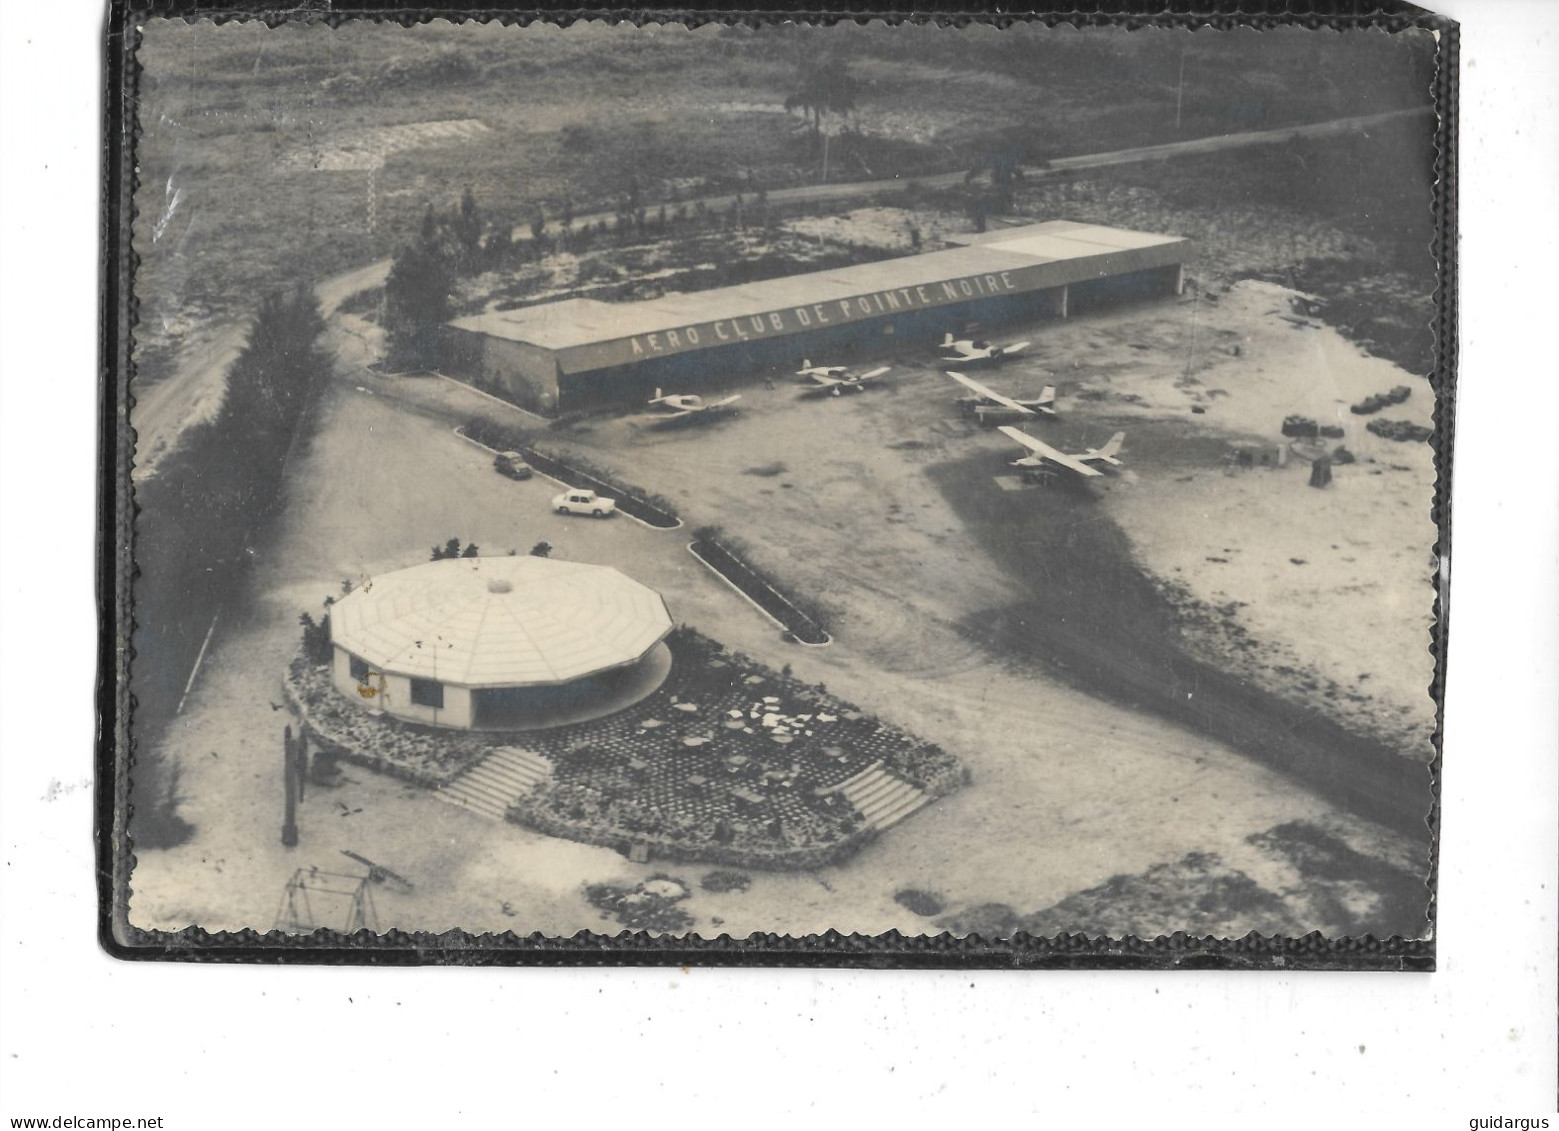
<point x="193" y="392"/>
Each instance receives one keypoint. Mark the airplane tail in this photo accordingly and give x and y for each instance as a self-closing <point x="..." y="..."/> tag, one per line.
<point x="947" y="339"/>
<point x="806" y="363"/>
<point x="1047" y="395"/>
<point x="1109" y="450"/>
<point x="656" y="397"/>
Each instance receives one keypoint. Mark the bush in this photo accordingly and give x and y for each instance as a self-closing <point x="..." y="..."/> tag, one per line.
<point x="724" y="880"/>
<point x="649" y="906"/>
<point x="154" y="818"/>
<point x="316" y="638"/>
<point x="920" y="902"/>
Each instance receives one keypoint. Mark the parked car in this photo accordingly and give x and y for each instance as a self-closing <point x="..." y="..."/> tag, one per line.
<point x="512" y="464"/>
<point x="584" y="502"/>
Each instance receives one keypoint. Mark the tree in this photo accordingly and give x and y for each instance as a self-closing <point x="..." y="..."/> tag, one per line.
<point x="499" y="246"/>
<point x="316" y="638"/>
<point x="541" y="550"/>
<point x="823" y="86"/>
<point x="467" y="227"/>
<point x="276" y="373"/>
<point x="1005" y="166"/>
<point x="470" y="551"/>
<point x="416" y="303"/>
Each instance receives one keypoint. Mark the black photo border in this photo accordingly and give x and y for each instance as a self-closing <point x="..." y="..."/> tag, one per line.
<point x="116" y="565"/>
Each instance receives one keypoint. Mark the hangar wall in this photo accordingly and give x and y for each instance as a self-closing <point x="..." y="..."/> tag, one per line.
<point x="516" y="371"/>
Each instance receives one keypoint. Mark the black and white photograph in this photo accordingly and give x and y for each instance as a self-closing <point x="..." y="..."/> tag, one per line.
<point x="774" y="478"/>
<point x="826" y="564"/>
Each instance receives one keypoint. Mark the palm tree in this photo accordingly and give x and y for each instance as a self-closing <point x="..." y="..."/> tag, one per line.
<point x="823" y="86"/>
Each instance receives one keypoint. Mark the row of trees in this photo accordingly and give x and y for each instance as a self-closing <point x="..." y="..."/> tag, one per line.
<point x="419" y="292"/>
<point x="195" y="529"/>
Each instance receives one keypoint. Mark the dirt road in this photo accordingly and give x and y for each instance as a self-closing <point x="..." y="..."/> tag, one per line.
<point x="860" y="190"/>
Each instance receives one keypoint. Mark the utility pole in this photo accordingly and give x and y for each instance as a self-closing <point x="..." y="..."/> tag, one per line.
<point x="1179" y="91"/>
<point x="294" y="759"/>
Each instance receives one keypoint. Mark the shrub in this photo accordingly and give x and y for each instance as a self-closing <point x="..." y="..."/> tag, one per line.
<point x="724" y="879"/>
<point x="316" y="638"/>
<point x="920" y="902"/>
<point x="155" y="821"/>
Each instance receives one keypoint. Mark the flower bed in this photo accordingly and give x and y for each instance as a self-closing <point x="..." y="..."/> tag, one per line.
<point x="755" y="586"/>
<point x="728" y="762"/>
<point x="429" y="756"/>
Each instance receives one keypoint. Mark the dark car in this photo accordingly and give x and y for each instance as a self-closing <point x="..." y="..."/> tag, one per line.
<point x="512" y="464"/>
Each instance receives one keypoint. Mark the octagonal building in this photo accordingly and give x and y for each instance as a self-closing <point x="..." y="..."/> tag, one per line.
<point x="510" y="643"/>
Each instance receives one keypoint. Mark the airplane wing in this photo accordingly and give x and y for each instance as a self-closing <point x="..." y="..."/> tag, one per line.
<point x="1049" y="454"/>
<point x="878" y="372"/>
<point x="1008" y="351"/>
<point x="989" y="393"/>
<point x="728" y="400"/>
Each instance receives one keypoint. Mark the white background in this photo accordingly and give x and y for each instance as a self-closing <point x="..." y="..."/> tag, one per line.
<point x="83" y="1034"/>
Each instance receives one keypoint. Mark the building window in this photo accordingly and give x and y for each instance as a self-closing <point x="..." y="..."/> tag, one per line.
<point x="427" y="693"/>
<point x="358" y="667"/>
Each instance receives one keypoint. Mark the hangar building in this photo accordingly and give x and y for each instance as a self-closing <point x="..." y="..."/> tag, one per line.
<point x="577" y="353"/>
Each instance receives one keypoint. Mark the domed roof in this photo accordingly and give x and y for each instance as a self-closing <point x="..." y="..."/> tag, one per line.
<point x="500" y="622"/>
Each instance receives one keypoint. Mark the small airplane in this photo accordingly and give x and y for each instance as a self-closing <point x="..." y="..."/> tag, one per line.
<point x="837" y="378"/>
<point x="977" y="352"/>
<point x="809" y="370"/>
<point x="681" y="405"/>
<point x="988" y="404"/>
<point x="1046" y="458"/>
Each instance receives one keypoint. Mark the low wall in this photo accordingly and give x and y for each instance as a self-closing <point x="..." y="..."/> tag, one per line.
<point x="527" y="813"/>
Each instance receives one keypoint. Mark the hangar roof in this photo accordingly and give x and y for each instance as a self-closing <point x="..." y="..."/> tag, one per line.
<point x="500" y="622"/>
<point x="1035" y="256"/>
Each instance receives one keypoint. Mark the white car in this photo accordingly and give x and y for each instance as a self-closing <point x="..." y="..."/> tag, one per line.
<point x="584" y="502"/>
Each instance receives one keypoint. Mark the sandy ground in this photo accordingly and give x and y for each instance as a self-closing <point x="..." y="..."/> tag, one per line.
<point x="368" y="149"/>
<point x="1335" y="582"/>
<point x="887" y="228"/>
<point x="1069" y="792"/>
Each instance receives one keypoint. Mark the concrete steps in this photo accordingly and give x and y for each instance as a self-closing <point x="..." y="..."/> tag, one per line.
<point x="881" y="798"/>
<point x="496" y="782"/>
